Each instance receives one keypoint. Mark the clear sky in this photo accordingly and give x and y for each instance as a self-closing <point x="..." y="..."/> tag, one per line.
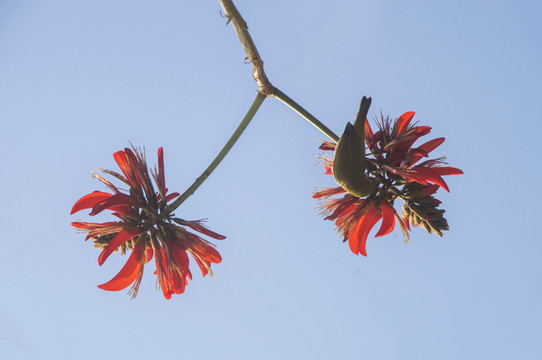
<point x="80" y="79"/>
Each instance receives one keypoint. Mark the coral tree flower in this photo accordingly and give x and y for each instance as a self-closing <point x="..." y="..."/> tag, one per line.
<point x="393" y="168"/>
<point x="145" y="227"/>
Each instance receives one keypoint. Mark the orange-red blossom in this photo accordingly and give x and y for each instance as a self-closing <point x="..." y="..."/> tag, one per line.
<point x="144" y="227"/>
<point x="393" y="168"/>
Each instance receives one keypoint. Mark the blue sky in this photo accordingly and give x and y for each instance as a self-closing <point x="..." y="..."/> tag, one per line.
<point x="80" y="80"/>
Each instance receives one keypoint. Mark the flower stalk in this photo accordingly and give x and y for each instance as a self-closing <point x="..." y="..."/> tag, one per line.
<point x="304" y="113"/>
<point x="221" y="155"/>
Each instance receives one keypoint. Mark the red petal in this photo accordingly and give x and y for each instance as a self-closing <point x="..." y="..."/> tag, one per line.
<point x="416" y="154"/>
<point x="208" y="252"/>
<point x="148" y="254"/>
<point x="127" y="274"/>
<point x="447" y="170"/>
<point x="388" y="219"/>
<point x="119" y="202"/>
<point x="368" y="133"/>
<point x="172" y="196"/>
<point x="396" y="157"/>
<point x="177" y="282"/>
<point x="378" y="136"/>
<point x="403" y="121"/>
<point x="327" y="192"/>
<point x="95" y="229"/>
<point x="117" y="241"/>
<point x="122" y="162"/>
<point x="203" y="268"/>
<point x="409" y="175"/>
<point x="328" y="146"/>
<point x="195" y="225"/>
<point x="371" y="220"/>
<point x="406" y="223"/>
<point x="134" y="165"/>
<point x="413" y="156"/>
<point x="429" y="174"/>
<point x="343" y="212"/>
<point x="432" y="144"/>
<point x="358" y="237"/>
<point x="88" y="201"/>
<point x="405" y="141"/>
<point x="93" y="226"/>
<point x="180" y="256"/>
<point x="343" y="208"/>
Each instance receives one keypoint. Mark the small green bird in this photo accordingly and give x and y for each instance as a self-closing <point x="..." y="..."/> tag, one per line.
<point x="349" y="163"/>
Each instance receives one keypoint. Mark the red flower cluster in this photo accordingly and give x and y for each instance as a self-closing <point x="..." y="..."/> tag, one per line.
<point x="145" y="226"/>
<point x="394" y="170"/>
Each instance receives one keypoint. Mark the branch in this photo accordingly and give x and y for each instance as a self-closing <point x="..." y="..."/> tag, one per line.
<point x="241" y="28"/>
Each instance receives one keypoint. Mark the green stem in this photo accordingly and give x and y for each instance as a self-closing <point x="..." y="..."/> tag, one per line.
<point x="221" y="155"/>
<point x="297" y="108"/>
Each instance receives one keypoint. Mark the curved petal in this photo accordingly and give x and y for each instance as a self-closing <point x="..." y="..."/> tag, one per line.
<point x="180" y="256"/>
<point x="88" y="226"/>
<point x="94" y="229"/>
<point x="117" y="241"/>
<point x="358" y="238"/>
<point x="170" y="280"/>
<point x="172" y="196"/>
<point x="344" y="208"/>
<point x="414" y="155"/>
<point x="432" y="144"/>
<point x="405" y="141"/>
<point x="88" y="201"/>
<point x="203" y="265"/>
<point x="388" y="219"/>
<point x="127" y="274"/>
<point x="370" y="222"/>
<point x="119" y="202"/>
<point x="447" y="170"/>
<point x="163" y="276"/>
<point x="430" y="175"/>
<point x="122" y="161"/>
<point x="403" y="122"/>
<point x="409" y="175"/>
<point x="136" y="165"/>
<point x="327" y="192"/>
<point x="197" y="226"/>
<point x="327" y="146"/>
<point x="148" y="254"/>
<point x="345" y="213"/>
<point x="207" y="252"/>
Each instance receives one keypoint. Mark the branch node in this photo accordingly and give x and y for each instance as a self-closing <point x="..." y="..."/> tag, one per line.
<point x="241" y="28"/>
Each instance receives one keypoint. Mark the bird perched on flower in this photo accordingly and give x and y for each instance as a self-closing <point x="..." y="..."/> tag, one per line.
<point x="349" y="161"/>
<point x="388" y="172"/>
<point x="145" y="226"/>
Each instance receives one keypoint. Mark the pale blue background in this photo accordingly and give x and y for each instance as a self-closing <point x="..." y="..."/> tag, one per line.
<point x="80" y="79"/>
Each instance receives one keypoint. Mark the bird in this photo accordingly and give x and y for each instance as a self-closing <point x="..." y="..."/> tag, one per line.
<point x="349" y="164"/>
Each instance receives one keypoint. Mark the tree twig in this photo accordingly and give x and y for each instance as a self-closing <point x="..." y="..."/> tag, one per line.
<point x="241" y="28"/>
